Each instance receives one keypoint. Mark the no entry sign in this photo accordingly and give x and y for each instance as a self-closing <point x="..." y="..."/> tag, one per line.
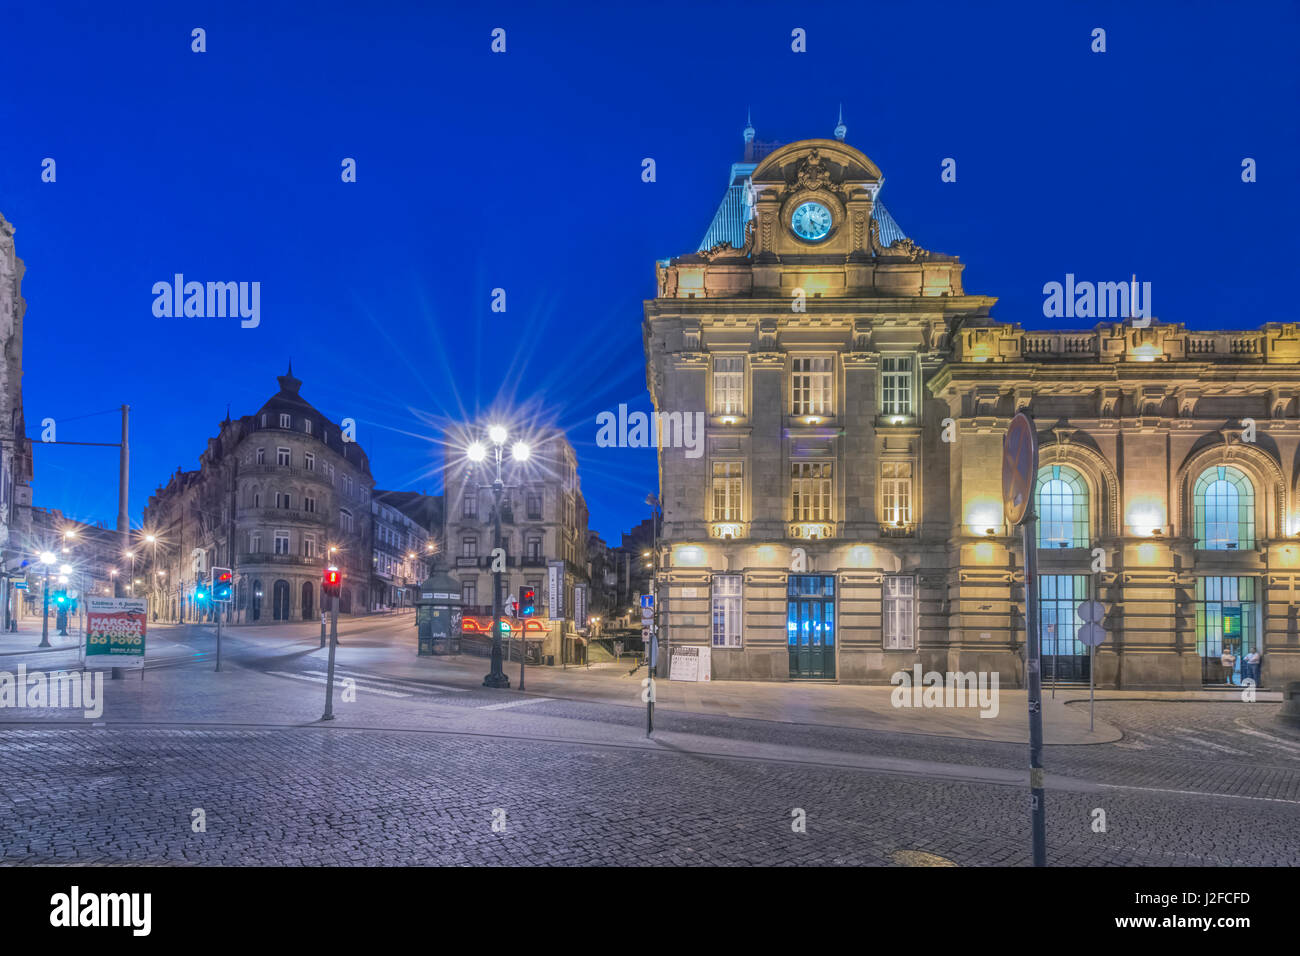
<point x="1019" y="468"/>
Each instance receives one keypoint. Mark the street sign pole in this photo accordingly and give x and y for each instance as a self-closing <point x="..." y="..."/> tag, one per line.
<point x="218" y="640"/>
<point x="329" y="678"/>
<point x="1019" y="478"/>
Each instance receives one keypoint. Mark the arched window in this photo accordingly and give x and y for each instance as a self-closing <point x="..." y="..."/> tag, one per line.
<point x="1224" y="503"/>
<point x="1061" y="502"/>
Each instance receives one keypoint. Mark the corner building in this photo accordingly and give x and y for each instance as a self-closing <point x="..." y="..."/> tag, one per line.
<point x="845" y="521"/>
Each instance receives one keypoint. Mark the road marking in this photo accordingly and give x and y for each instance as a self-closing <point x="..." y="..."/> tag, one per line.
<point x="337" y="679"/>
<point x="1277" y="743"/>
<point x="407" y="683"/>
<point x="1186" y="734"/>
<point x="514" y="703"/>
<point x="1197" y="793"/>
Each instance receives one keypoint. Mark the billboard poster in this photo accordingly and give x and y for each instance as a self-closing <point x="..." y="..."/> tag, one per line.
<point x="555" y="590"/>
<point x="690" y="663"/>
<point x="115" y="631"/>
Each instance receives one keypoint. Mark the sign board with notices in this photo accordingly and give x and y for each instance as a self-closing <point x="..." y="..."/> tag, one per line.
<point x="115" y="631"/>
<point x="691" y="663"/>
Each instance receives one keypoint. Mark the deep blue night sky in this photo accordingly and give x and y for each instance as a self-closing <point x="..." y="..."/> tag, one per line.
<point x="522" y="171"/>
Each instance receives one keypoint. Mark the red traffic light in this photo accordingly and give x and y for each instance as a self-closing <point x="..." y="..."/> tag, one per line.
<point x="223" y="576"/>
<point x="331" y="581"/>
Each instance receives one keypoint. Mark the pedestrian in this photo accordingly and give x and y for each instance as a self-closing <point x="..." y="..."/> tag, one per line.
<point x="1228" y="660"/>
<point x="1251" y="669"/>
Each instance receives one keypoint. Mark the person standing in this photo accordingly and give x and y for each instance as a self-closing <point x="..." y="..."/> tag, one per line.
<point x="1251" y="666"/>
<point x="1228" y="660"/>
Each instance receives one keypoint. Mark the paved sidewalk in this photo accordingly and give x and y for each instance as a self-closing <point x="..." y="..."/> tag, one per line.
<point x="27" y="639"/>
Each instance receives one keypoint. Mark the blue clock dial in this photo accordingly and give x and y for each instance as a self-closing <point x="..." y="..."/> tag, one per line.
<point x="811" y="221"/>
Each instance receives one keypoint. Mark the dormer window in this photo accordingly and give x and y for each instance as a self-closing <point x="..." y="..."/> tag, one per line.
<point x="286" y="420"/>
<point x="306" y="425"/>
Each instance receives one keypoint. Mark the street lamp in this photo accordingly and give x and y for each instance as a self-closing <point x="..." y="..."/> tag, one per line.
<point x="476" y="453"/>
<point x="47" y="559"/>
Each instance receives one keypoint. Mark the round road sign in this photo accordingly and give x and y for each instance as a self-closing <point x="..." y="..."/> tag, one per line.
<point x="1019" y="468"/>
<point x="1091" y="611"/>
<point x="1090" y="635"/>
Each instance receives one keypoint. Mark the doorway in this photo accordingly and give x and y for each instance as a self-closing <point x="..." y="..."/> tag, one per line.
<point x="810" y="626"/>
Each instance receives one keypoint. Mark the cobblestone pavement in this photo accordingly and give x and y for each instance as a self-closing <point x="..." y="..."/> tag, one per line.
<point x="416" y="773"/>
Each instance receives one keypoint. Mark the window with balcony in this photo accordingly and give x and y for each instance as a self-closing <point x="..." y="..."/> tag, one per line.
<point x="282" y="542"/>
<point x="896" y="493"/>
<point x="899" y="611"/>
<point x="282" y="500"/>
<point x="533" y="503"/>
<point x="309" y="461"/>
<point x="255" y="542"/>
<point x="469" y="547"/>
<point x="1061" y="502"/>
<point x="309" y="504"/>
<point x="469" y="593"/>
<point x="533" y="547"/>
<point x="896" y="385"/>
<point x="728" y="385"/>
<point x="810" y="386"/>
<point x="309" y="546"/>
<point x="345" y="520"/>
<point x="282" y="457"/>
<point x="261" y="456"/>
<point x="1224" y="506"/>
<point x="810" y="490"/>
<point x="728" y="485"/>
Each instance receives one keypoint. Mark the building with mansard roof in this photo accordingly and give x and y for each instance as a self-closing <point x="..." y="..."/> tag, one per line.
<point x="845" y="521"/>
<point x="278" y="496"/>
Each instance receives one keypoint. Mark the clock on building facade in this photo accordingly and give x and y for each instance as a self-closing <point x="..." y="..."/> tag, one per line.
<point x="811" y="221"/>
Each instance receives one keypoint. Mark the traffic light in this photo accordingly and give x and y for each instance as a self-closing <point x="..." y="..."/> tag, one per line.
<point x="60" y="597"/>
<point x="331" y="583"/>
<point x="527" y="602"/>
<point x="223" y="582"/>
<point x="200" y="587"/>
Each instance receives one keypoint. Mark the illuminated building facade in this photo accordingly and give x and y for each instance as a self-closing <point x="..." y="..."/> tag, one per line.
<point x="845" y="519"/>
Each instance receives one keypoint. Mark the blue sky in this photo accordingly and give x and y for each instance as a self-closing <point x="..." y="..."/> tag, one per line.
<point x="522" y="171"/>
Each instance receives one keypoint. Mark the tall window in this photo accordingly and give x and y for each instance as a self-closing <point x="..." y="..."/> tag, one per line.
<point x="896" y="492"/>
<point x="309" y="546"/>
<point x="309" y="504"/>
<point x="282" y="500"/>
<point x="255" y="542"/>
<point x="728" y="385"/>
<point x="1061" y="501"/>
<point x="309" y="461"/>
<point x="282" y="542"/>
<point x="896" y="385"/>
<point x="282" y="456"/>
<point x="261" y="456"/>
<point x="727" y="488"/>
<point x="469" y="593"/>
<point x="899" y="619"/>
<point x="306" y="425"/>
<point x="533" y="503"/>
<point x="1224" y="504"/>
<point x="469" y="547"/>
<point x="810" y="386"/>
<point x="345" y="520"/>
<point x="810" y="490"/>
<point x="726" y="610"/>
<point x="1059" y="596"/>
<point x="284" y="419"/>
<point x="533" y="547"/>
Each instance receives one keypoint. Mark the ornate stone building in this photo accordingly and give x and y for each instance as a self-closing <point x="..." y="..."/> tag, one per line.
<point x="543" y="527"/>
<point x="845" y="521"/>
<point x="406" y="528"/>
<point x="15" y="449"/>
<point x="278" y="495"/>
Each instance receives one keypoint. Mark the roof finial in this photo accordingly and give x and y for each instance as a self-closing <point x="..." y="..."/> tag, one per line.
<point x="291" y="367"/>
<point x="840" y="128"/>
<point x="749" y="125"/>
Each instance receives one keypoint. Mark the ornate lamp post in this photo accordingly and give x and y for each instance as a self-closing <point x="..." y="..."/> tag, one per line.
<point x="476" y="453"/>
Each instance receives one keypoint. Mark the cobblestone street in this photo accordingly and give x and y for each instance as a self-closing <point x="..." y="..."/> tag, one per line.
<point x="445" y="772"/>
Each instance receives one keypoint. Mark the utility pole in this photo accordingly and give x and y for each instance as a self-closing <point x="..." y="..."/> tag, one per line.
<point x="123" y="518"/>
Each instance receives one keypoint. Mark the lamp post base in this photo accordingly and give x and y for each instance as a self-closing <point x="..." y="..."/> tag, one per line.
<point x="496" y="680"/>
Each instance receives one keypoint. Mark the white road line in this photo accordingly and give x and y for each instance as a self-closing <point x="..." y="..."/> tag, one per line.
<point x="1196" y="793"/>
<point x="322" y="680"/>
<point x="409" y="683"/>
<point x="1186" y="734"/>
<point x="514" y="703"/>
<point x="1277" y="742"/>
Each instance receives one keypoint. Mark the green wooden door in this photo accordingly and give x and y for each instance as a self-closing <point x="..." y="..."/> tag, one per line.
<point x="810" y="626"/>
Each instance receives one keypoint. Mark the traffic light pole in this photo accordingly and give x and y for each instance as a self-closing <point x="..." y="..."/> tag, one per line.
<point x="218" y="640"/>
<point x="329" y="676"/>
<point x="45" y="617"/>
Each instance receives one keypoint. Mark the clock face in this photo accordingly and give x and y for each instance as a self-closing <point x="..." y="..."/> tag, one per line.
<point x="811" y="221"/>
